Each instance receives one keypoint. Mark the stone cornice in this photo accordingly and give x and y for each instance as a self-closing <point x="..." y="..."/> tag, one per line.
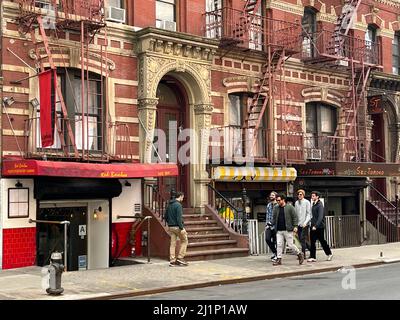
<point x="180" y="45"/>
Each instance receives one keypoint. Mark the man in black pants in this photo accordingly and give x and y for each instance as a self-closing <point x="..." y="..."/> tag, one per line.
<point x="318" y="228"/>
<point x="270" y="232"/>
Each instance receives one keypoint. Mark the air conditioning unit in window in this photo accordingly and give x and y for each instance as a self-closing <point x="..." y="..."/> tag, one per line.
<point x="166" y="25"/>
<point x="43" y="4"/>
<point x="115" y="14"/>
<point x="313" y="154"/>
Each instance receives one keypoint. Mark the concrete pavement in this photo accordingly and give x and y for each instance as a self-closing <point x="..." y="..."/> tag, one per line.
<point x="157" y="276"/>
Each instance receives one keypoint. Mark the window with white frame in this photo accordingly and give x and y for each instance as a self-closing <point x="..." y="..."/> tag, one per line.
<point x="18" y="202"/>
<point x="165" y="14"/>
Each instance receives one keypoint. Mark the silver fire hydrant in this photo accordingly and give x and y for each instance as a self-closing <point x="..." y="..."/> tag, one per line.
<point x="55" y="269"/>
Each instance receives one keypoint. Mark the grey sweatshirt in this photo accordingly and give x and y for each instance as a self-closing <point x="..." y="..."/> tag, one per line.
<point x="303" y="211"/>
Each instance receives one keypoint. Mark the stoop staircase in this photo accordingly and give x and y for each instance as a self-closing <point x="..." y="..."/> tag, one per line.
<point x="208" y="240"/>
<point x="209" y="237"/>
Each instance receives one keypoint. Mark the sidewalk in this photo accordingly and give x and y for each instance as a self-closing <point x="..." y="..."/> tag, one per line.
<point x="157" y="276"/>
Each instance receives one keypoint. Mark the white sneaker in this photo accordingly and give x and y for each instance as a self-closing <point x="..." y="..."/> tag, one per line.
<point x="329" y="257"/>
<point x="311" y="260"/>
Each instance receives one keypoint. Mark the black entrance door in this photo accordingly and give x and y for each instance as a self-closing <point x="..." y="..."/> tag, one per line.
<point x="50" y="237"/>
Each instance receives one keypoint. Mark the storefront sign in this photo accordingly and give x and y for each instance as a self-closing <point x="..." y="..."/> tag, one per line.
<point x="375" y="105"/>
<point x="317" y="172"/>
<point x="349" y="169"/>
<point x="19" y="168"/>
<point x="13" y="168"/>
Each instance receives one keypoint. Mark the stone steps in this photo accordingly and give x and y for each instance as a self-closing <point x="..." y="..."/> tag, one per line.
<point x="211" y="245"/>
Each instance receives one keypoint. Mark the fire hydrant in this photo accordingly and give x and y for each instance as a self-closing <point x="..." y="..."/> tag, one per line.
<point x="55" y="269"/>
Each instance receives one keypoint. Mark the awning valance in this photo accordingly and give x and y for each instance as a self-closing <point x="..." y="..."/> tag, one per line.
<point x="23" y="168"/>
<point x="248" y="174"/>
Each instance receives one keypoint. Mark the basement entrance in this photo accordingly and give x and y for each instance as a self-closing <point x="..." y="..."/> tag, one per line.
<point x="50" y="237"/>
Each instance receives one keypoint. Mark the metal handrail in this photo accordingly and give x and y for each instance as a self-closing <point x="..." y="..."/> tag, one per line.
<point x="66" y="224"/>
<point x="142" y="220"/>
<point x="383" y="196"/>
<point x="224" y="198"/>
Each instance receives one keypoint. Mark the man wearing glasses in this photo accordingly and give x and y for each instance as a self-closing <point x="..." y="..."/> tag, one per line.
<point x="285" y="222"/>
<point x="303" y="211"/>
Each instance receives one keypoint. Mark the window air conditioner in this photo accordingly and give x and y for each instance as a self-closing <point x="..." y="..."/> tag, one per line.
<point x="166" y="25"/>
<point x="43" y="4"/>
<point x="115" y="14"/>
<point x="314" y="154"/>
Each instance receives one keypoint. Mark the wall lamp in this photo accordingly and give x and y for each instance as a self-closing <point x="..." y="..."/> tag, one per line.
<point x="8" y="101"/>
<point x="127" y="183"/>
<point x="96" y="213"/>
<point x="19" y="184"/>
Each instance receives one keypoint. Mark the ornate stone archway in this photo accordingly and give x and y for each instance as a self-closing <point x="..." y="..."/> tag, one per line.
<point x="191" y="65"/>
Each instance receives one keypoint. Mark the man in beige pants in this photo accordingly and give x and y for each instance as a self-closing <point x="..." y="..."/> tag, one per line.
<point x="176" y="230"/>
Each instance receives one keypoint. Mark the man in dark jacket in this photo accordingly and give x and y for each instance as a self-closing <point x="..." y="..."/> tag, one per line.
<point x="285" y="223"/>
<point x="176" y="230"/>
<point x="317" y="228"/>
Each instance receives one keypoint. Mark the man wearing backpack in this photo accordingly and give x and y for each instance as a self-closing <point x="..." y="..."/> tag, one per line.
<point x="176" y="230"/>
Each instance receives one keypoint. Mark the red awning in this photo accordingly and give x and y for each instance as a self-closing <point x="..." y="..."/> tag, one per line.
<point x="22" y="168"/>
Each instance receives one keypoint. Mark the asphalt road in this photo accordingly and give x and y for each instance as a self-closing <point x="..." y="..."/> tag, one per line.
<point x="382" y="282"/>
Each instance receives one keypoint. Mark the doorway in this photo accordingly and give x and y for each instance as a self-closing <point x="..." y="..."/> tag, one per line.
<point x="50" y="237"/>
<point x="172" y="119"/>
<point x="378" y="151"/>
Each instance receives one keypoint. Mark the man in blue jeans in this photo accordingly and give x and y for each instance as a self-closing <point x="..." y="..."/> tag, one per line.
<point x="270" y="232"/>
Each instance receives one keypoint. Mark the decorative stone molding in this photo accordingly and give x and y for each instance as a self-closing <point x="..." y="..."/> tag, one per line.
<point x="147" y="116"/>
<point x="153" y="68"/>
<point x="203" y="109"/>
<point x="324" y="94"/>
<point x="373" y="18"/>
<point x="72" y="56"/>
<point x="174" y="47"/>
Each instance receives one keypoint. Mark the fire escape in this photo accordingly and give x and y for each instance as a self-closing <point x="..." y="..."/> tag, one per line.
<point x="242" y="30"/>
<point x="45" y="23"/>
<point x="339" y="49"/>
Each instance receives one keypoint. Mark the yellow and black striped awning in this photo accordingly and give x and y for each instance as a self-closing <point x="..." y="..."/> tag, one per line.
<point x="269" y="174"/>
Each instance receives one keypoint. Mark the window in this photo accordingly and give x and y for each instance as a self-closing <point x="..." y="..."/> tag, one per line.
<point x="320" y="119"/>
<point x="237" y="135"/>
<point x="321" y="122"/>
<point x="18" y="202"/>
<point x="116" y="3"/>
<point x="396" y="53"/>
<point x="370" y="43"/>
<point x="71" y="87"/>
<point x="165" y="14"/>
<point x="309" y="28"/>
<point x="214" y="18"/>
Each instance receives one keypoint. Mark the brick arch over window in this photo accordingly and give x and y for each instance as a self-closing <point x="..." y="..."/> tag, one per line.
<point x="326" y="95"/>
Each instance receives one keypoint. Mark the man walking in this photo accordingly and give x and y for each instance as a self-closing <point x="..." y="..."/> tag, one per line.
<point x="303" y="212"/>
<point x="176" y="230"/>
<point x="285" y="222"/>
<point x="270" y="233"/>
<point x="317" y="228"/>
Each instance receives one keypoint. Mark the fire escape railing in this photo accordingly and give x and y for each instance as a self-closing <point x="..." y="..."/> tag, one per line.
<point x="321" y="46"/>
<point x="252" y="31"/>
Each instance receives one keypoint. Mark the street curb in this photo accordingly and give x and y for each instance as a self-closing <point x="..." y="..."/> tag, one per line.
<point x="131" y="293"/>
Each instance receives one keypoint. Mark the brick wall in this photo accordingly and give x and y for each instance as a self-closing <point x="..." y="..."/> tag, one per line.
<point x="19" y="247"/>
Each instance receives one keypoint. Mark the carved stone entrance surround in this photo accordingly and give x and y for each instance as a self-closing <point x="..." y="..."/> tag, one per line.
<point x="188" y="59"/>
